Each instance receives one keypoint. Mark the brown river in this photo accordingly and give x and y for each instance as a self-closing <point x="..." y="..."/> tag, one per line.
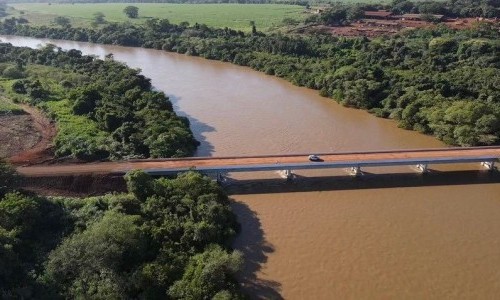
<point x="327" y="235"/>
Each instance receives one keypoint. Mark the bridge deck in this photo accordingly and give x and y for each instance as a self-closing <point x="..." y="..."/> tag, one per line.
<point x="273" y="162"/>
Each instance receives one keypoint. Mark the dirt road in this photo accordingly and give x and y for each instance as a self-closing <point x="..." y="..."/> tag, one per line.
<point x="41" y="150"/>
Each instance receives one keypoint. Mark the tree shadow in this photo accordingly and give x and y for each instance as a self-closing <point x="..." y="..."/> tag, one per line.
<point x="198" y="128"/>
<point x="255" y="248"/>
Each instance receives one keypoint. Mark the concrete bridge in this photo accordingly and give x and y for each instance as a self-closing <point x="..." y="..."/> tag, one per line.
<point x="353" y="161"/>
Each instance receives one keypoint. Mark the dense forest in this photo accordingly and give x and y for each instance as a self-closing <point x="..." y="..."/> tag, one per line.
<point x="343" y="14"/>
<point x="165" y="239"/>
<point x="102" y="108"/>
<point x="450" y="8"/>
<point x="437" y="81"/>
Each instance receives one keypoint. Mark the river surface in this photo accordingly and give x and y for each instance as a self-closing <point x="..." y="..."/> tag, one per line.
<point x="397" y="236"/>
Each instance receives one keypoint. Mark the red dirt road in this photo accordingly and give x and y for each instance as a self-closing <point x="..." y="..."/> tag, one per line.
<point x="122" y="167"/>
<point x="42" y="150"/>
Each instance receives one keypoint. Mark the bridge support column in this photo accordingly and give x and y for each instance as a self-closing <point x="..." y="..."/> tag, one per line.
<point x="220" y="178"/>
<point x="490" y="165"/>
<point x="288" y="174"/>
<point x="355" y="171"/>
<point x="422" y="168"/>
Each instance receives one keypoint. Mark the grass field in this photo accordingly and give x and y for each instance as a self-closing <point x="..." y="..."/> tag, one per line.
<point x="6" y="105"/>
<point x="236" y="16"/>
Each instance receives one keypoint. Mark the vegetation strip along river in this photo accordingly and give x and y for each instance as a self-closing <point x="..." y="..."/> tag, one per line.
<point x="436" y="81"/>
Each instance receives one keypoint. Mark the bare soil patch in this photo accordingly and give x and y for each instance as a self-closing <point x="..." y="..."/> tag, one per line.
<point x="26" y="139"/>
<point x="373" y="28"/>
<point x="17" y="134"/>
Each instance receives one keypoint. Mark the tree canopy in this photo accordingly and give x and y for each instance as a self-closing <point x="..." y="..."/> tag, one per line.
<point x="103" y="108"/>
<point x="62" y="21"/>
<point x="131" y="11"/>
<point x="170" y="242"/>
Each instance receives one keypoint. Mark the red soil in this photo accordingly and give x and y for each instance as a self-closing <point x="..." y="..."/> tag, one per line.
<point x="42" y="150"/>
<point x="375" y="28"/>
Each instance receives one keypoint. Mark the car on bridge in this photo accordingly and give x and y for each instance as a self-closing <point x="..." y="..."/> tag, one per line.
<point x="314" y="157"/>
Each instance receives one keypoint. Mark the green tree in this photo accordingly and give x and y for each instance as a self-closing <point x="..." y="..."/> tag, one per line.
<point x="184" y="24"/>
<point x="19" y="216"/>
<point x="36" y="91"/>
<point x="29" y="228"/>
<point x="62" y="21"/>
<point x="209" y="274"/>
<point x="19" y="87"/>
<point x="13" y="72"/>
<point x="99" y="18"/>
<point x="8" y="178"/>
<point x="131" y="11"/>
<point x="85" y="100"/>
<point x="139" y="184"/>
<point x="254" y="29"/>
<point x="402" y="6"/>
<point x="96" y="263"/>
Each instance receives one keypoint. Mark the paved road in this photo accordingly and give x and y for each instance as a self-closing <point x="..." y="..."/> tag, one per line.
<point x="121" y="167"/>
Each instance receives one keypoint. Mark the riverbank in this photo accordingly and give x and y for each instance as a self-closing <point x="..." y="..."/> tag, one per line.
<point x="97" y="116"/>
<point x="436" y="85"/>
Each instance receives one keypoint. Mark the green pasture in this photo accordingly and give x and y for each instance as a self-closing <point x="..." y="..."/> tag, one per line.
<point x="7" y="107"/>
<point x="236" y="16"/>
<point x="6" y="104"/>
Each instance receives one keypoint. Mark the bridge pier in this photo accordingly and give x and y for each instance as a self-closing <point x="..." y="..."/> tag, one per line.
<point x="220" y="178"/>
<point x="422" y="168"/>
<point x="490" y="165"/>
<point x="288" y="174"/>
<point x="355" y="171"/>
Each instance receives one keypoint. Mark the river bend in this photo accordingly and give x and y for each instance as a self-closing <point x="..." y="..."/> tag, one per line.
<point x="385" y="237"/>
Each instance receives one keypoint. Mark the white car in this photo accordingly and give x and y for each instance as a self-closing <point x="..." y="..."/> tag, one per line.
<point x="313" y="157"/>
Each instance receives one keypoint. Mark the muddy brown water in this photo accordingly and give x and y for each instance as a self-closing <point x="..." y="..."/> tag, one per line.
<point x="382" y="236"/>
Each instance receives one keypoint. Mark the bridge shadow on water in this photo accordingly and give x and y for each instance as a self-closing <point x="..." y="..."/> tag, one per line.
<point x="366" y="181"/>
<point x="251" y="242"/>
<point x="197" y="127"/>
